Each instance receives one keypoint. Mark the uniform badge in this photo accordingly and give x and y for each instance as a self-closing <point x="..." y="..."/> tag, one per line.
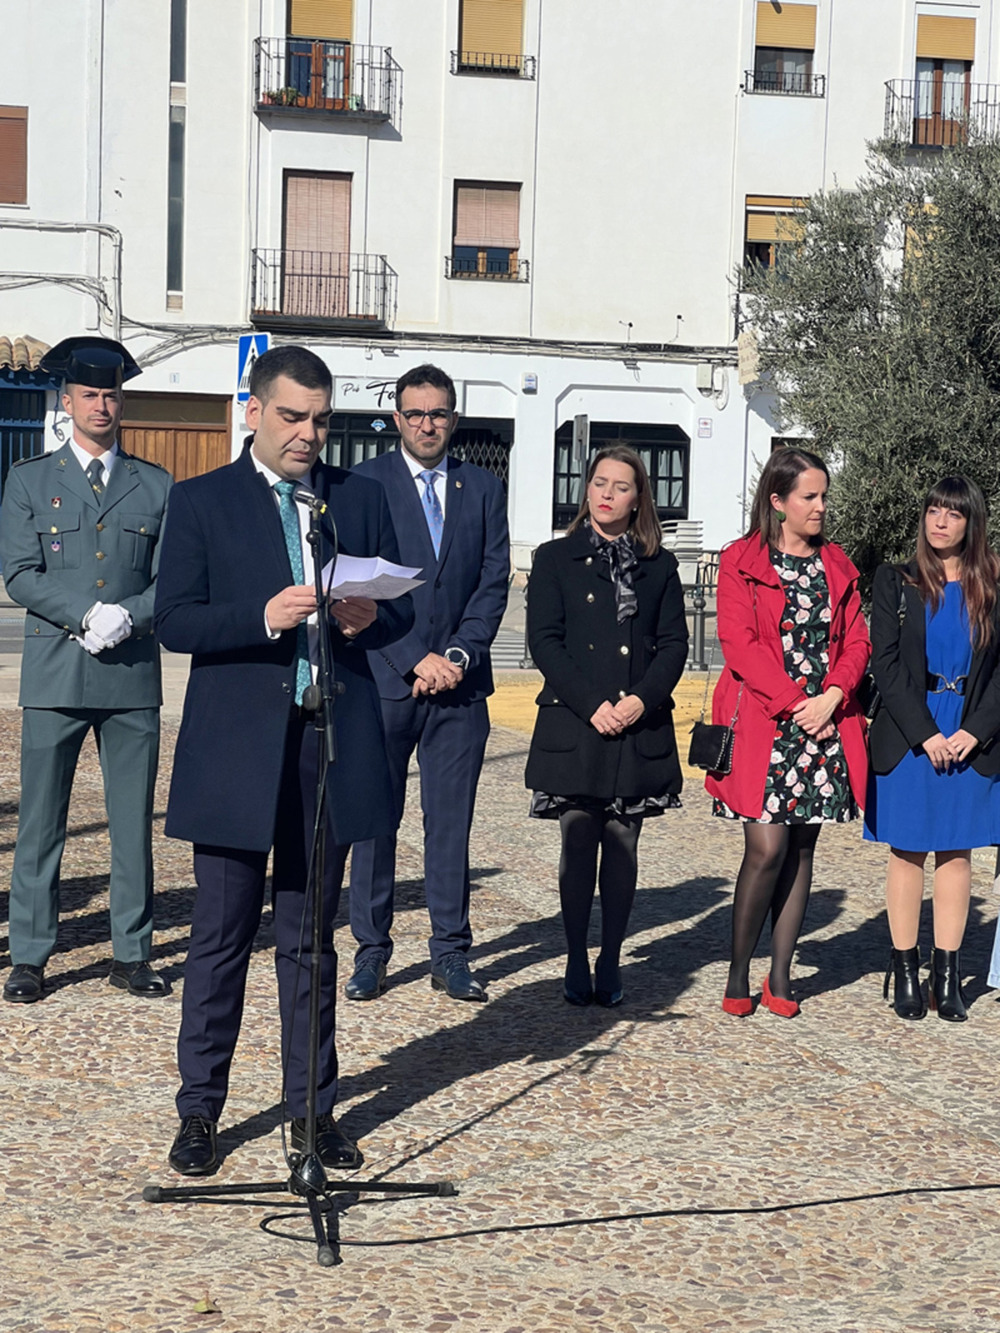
<point x="55" y="546"/>
<point x="56" y="501"/>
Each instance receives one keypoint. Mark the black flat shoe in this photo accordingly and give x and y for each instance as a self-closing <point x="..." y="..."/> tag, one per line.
<point x="333" y="1147"/>
<point x="581" y="998"/>
<point x="607" y="985"/>
<point x="138" y="979"/>
<point x="577" y="989"/>
<point x="193" y="1151"/>
<point x="25" y="984"/>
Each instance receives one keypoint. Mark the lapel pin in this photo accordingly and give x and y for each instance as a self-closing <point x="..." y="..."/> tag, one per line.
<point x="56" y="546"/>
<point x="458" y="485"/>
<point x="56" y="501"/>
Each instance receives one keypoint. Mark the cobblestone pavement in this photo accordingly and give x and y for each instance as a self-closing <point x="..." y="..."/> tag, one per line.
<point x="660" y="1166"/>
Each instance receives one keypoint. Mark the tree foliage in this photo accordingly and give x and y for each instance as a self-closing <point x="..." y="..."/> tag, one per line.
<point x="880" y="335"/>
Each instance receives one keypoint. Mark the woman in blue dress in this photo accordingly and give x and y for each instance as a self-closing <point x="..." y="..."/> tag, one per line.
<point x="934" y="765"/>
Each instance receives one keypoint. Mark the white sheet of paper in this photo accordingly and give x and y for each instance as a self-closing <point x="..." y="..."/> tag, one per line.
<point x="369" y="576"/>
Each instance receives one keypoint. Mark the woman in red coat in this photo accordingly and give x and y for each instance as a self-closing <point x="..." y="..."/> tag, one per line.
<point x="796" y="647"/>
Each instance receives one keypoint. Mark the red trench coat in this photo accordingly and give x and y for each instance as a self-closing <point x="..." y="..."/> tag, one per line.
<point x="751" y="602"/>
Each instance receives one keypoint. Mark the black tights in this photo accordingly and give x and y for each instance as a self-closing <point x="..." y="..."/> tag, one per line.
<point x="775" y="876"/>
<point x="584" y="832"/>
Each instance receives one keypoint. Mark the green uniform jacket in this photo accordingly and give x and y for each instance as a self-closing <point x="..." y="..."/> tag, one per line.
<point x="62" y="549"/>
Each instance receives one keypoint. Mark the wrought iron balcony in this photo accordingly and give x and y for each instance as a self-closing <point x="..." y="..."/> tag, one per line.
<point x="491" y="62"/>
<point x="788" y="83"/>
<point x="935" y="113"/>
<point x="499" y="269"/>
<point x="317" y="78"/>
<point x="321" y="289"/>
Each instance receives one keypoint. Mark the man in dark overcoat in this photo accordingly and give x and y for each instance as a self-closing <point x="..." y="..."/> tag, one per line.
<point x="451" y="520"/>
<point x="234" y="594"/>
<point x="80" y="546"/>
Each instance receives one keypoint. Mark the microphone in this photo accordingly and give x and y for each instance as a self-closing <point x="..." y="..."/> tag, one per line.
<point x="313" y="503"/>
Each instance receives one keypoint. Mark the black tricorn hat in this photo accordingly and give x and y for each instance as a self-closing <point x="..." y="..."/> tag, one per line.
<point x="100" y="363"/>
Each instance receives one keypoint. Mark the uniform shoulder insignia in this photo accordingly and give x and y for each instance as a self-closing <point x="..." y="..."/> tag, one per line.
<point x="32" y="458"/>
<point x="147" y="462"/>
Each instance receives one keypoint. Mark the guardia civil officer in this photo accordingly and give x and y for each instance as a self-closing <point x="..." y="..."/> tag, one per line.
<point x="79" y="543"/>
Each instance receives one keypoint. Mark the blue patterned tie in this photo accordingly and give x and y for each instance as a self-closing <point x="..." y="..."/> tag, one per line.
<point x="293" y="543"/>
<point x="432" y="510"/>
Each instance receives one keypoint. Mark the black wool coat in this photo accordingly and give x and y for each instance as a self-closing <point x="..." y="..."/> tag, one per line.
<point x="586" y="658"/>
<point x="899" y="664"/>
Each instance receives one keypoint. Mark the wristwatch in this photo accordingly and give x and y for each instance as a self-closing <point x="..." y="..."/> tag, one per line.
<point x="458" y="657"/>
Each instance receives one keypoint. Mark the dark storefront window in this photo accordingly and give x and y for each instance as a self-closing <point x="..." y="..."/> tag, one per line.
<point x="664" y="449"/>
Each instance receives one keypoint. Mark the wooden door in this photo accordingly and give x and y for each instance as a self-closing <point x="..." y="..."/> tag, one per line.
<point x="185" y="451"/>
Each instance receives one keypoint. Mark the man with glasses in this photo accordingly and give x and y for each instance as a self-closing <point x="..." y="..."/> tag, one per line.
<point x="451" y="521"/>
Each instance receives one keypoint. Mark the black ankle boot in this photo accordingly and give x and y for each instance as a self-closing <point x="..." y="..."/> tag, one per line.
<point x="945" y="989"/>
<point x="907" y="997"/>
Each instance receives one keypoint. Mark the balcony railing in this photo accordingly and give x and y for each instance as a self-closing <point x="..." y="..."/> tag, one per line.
<point x="934" y="113"/>
<point x="313" y="288"/>
<point x="500" y="270"/>
<point x="491" y="62"/>
<point x="321" y="78"/>
<point x="789" y="83"/>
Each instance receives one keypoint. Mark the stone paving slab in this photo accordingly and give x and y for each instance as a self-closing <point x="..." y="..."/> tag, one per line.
<point x="665" y="1111"/>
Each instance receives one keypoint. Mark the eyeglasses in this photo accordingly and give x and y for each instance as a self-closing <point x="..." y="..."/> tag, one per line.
<point x="439" y="416"/>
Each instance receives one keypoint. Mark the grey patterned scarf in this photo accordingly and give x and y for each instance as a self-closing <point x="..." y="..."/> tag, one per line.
<point x="622" y="563"/>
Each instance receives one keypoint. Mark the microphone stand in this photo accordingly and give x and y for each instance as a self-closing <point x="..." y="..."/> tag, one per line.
<point x="308" y="1180"/>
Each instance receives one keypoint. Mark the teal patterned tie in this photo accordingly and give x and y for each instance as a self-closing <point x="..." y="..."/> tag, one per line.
<point x="293" y="543"/>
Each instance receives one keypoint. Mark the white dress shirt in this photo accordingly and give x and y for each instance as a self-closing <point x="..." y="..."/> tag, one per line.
<point x="107" y="459"/>
<point x="440" y="482"/>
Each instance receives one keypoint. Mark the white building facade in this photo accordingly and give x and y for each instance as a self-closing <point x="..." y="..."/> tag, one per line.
<point x="551" y="199"/>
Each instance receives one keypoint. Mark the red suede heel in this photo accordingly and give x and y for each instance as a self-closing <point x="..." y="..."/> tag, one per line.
<point x="783" y="1008"/>
<point x="741" y="1008"/>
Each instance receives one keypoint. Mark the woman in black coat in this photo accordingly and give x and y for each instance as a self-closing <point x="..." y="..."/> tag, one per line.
<point x="935" y="760"/>
<point x="606" y="628"/>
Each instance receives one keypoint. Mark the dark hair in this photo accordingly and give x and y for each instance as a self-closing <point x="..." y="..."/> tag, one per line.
<point x="427" y="374"/>
<point x="780" y="477"/>
<point x="979" y="566"/>
<point x="298" y="363"/>
<point x="645" y="528"/>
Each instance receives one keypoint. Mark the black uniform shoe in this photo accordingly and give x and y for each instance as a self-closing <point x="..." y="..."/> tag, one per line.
<point x="333" y="1147"/>
<point x="193" y="1152"/>
<point x="368" y="981"/>
<point x="452" y="975"/>
<point x="25" y="983"/>
<point x="137" y="979"/>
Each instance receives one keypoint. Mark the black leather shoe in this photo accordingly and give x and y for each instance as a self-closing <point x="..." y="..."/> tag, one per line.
<point x="452" y="975"/>
<point x="137" y="979"/>
<point x="607" y="984"/>
<point x="333" y="1147"/>
<point x="368" y="981"/>
<point x="945" y="989"/>
<point x="904" y="970"/>
<point x="193" y="1152"/>
<point x="25" y="983"/>
<point x="577" y="989"/>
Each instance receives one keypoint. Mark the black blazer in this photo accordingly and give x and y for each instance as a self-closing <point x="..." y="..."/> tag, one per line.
<point x="586" y="658"/>
<point x="899" y="664"/>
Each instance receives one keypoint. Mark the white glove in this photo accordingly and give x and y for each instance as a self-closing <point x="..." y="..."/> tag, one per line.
<point x="109" y="624"/>
<point x="90" y="642"/>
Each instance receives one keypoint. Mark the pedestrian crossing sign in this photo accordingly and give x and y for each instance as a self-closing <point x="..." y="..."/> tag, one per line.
<point x="252" y="345"/>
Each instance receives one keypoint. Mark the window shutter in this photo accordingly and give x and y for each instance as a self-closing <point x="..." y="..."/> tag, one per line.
<point x="329" y="19"/>
<point x="494" y="27"/>
<point x="790" y="26"/>
<point x="940" y="38"/>
<point x="318" y="213"/>
<point x="778" y="223"/>
<point x="488" y="215"/>
<point x="13" y="154"/>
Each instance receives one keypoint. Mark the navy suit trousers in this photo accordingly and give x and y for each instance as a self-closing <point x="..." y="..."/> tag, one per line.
<point x="226" y="917"/>
<point x="450" y="740"/>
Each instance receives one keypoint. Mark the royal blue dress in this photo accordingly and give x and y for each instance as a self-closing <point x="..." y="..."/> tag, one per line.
<point x="915" y="808"/>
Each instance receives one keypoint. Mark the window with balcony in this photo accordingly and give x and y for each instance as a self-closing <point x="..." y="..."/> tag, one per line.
<point x="945" y="51"/>
<point x="784" y="51"/>
<point x="13" y="154"/>
<point x="486" y="235"/>
<point x="773" y="225"/>
<point x="491" y="38"/>
<point x="664" y="449"/>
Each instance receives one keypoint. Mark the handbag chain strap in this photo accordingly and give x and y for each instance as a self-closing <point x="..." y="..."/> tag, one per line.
<point x="708" y="681"/>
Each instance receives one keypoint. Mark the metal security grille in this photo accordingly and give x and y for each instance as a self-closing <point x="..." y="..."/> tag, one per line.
<point x="354" y="436"/>
<point x="22" y="426"/>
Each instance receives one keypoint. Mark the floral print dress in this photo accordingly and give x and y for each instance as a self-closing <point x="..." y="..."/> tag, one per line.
<point x="806" y="780"/>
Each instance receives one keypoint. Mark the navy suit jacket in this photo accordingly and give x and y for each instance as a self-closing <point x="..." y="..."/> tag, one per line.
<point x="462" y="600"/>
<point x="223" y="558"/>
